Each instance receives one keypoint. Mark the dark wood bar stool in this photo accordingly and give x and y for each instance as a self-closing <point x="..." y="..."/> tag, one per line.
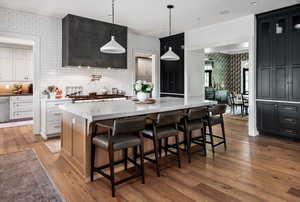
<point x="163" y="127"/>
<point x="216" y="118"/>
<point x="194" y="120"/>
<point x="121" y="135"/>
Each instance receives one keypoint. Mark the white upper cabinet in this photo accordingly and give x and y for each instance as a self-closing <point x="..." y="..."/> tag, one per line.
<point x="23" y="65"/>
<point x="6" y="67"/>
<point x="16" y="64"/>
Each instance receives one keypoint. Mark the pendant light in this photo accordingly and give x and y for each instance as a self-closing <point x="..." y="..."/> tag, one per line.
<point x="113" y="47"/>
<point x="170" y="55"/>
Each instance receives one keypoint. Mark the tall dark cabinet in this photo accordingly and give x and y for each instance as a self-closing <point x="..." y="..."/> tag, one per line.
<point x="278" y="69"/>
<point x="172" y="72"/>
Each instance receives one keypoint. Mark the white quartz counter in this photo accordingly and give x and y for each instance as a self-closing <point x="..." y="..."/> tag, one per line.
<point x="103" y="110"/>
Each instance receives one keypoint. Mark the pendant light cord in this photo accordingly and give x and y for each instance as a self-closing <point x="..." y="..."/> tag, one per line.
<point x="113" y="11"/>
<point x="170" y="25"/>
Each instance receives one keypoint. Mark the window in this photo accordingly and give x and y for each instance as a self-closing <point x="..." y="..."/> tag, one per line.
<point x="245" y="81"/>
<point x="208" y="78"/>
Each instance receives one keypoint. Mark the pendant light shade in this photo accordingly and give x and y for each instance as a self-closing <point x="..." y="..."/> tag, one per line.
<point x="170" y="55"/>
<point x="113" y="47"/>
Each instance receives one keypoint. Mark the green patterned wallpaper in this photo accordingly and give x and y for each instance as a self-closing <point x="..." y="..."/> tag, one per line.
<point x="227" y="70"/>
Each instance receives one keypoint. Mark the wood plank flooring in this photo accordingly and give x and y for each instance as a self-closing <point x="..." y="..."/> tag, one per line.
<point x="253" y="169"/>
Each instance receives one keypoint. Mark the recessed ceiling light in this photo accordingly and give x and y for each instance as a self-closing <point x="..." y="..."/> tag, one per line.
<point x="253" y="3"/>
<point x="224" y="12"/>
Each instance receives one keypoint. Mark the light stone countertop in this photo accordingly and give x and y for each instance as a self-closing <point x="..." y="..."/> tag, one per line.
<point x="104" y="110"/>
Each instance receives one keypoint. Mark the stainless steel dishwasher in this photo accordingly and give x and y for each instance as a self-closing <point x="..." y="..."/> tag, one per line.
<point x="4" y="109"/>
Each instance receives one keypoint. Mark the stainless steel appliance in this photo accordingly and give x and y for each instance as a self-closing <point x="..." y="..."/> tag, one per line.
<point x="4" y="109"/>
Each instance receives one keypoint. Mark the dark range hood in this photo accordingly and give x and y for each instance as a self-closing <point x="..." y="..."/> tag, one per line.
<point x="82" y="39"/>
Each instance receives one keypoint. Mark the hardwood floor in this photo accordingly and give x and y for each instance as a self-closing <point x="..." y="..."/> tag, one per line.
<point x="253" y="169"/>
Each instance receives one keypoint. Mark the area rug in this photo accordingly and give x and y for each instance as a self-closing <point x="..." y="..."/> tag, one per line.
<point x="16" y="124"/>
<point x="23" y="178"/>
<point x="53" y="145"/>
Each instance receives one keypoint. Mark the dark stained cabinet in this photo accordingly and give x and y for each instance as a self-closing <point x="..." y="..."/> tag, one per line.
<point x="172" y="72"/>
<point x="278" y="48"/>
<point x="278" y="72"/>
<point x="282" y="119"/>
<point x="82" y="39"/>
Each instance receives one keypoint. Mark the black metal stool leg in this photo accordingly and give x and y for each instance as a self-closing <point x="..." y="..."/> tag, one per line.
<point x="125" y="157"/>
<point x="156" y="142"/>
<point x="142" y="162"/>
<point x="223" y="133"/>
<point x="166" y="146"/>
<point x="204" y="140"/>
<point x="178" y="151"/>
<point x="135" y="154"/>
<point x="160" y="148"/>
<point x="189" y="138"/>
<point x="211" y="139"/>
<point x="112" y="172"/>
<point x="93" y="151"/>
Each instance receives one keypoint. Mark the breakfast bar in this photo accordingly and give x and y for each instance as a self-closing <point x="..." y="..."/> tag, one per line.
<point x="78" y="118"/>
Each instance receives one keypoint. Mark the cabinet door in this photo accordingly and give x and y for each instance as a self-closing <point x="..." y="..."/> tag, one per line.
<point x="294" y="83"/>
<point x="280" y="53"/>
<point x="23" y="65"/>
<point x="6" y="70"/>
<point x="264" y="59"/>
<point x="269" y="118"/>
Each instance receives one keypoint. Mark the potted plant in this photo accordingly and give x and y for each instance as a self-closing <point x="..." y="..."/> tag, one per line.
<point x="143" y="90"/>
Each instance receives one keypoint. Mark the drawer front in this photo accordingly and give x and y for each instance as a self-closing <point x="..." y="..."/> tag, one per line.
<point x="22" y="115"/>
<point x="53" y="127"/>
<point x="51" y="106"/>
<point x="288" y="121"/>
<point x="22" y="99"/>
<point x="290" y="110"/>
<point x="55" y="115"/>
<point x="289" y="132"/>
<point x="22" y="106"/>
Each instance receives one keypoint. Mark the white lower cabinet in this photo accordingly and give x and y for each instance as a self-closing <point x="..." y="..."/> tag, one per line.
<point x="51" y="117"/>
<point x="21" y="107"/>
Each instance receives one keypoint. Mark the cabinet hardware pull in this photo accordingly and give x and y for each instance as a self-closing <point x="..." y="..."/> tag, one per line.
<point x="290" y="120"/>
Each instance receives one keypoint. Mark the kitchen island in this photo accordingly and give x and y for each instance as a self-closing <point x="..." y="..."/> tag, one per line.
<point x="79" y="117"/>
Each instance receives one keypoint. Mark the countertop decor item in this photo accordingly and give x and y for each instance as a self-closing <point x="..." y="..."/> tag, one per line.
<point x="113" y="47"/>
<point x="143" y="90"/>
<point x="147" y="101"/>
<point x="17" y="89"/>
<point x="170" y="55"/>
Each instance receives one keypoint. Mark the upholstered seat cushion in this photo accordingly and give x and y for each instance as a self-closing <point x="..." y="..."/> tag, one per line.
<point x="161" y="132"/>
<point x="214" y="120"/>
<point x="119" y="142"/>
<point x="192" y="125"/>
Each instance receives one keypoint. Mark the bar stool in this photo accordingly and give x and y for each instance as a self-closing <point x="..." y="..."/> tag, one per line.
<point x="194" y="120"/>
<point x="121" y="135"/>
<point x="216" y="118"/>
<point x="163" y="127"/>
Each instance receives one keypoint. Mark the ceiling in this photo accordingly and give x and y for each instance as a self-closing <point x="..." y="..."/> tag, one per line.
<point x="150" y="17"/>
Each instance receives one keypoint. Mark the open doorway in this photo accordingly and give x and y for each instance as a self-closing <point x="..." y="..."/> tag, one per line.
<point x="226" y="72"/>
<point x="146" y="69"/>
<point x="16" y="82"/>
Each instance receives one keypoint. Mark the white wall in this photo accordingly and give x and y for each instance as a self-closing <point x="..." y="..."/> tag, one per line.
<point x="46" y="32"/>
<point x="194" y="76"/>
<point x="230" y="32"/>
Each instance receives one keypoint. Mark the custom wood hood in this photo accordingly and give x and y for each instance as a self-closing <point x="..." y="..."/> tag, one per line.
<point x="82" y="39"/>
